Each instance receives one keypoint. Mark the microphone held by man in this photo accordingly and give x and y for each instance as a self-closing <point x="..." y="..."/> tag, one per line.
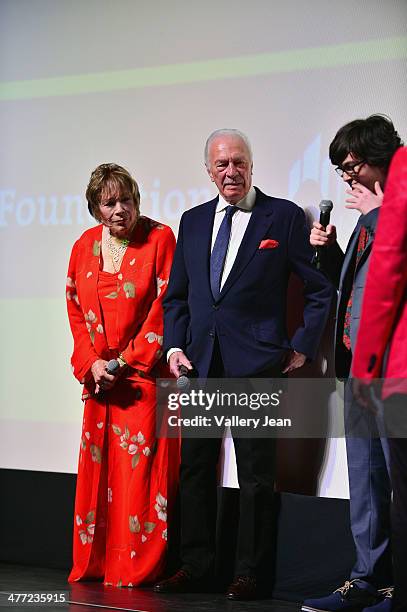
<point x="325" y="208"/>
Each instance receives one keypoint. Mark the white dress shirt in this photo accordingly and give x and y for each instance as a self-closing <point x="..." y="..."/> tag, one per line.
<point x="240" y="221"/>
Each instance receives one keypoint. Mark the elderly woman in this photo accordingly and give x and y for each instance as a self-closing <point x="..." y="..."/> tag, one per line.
<point x="118" y="274"/>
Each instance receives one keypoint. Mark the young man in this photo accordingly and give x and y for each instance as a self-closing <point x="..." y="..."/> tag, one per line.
<point x="381" y="351"/>
<point x="361" y="151"/>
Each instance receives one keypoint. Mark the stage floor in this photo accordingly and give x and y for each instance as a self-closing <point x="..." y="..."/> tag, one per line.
<point x="88" y="597"/>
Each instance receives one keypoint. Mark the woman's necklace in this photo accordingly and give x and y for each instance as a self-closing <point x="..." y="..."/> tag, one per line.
<point x="117" y="248"/>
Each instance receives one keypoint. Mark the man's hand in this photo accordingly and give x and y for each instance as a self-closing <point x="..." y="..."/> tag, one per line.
<point x="177" y="360"/>
<point x="321" y="236"/>
<point x="293" y="361"/>
<point x="364" y="390"/>
<point x="364" y="200"/>
<point x="103" y="380"/>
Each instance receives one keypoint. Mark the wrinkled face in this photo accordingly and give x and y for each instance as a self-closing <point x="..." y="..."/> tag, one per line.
<point x="117" y="210"/>
<point x="362" y="173"/>
<point x="230" y="167"/>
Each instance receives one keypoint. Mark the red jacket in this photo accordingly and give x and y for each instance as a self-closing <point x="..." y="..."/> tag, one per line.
<point x="143" y="280"/>
<point x="384" y="314"/>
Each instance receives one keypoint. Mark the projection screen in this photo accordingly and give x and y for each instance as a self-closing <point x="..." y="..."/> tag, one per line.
<point x="143" y="84"/>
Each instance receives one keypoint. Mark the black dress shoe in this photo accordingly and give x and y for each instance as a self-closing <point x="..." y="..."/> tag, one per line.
<point x="181" y="582"/>
<point x="243" y="588"/>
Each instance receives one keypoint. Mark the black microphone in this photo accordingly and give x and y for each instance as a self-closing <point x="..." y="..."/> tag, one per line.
<point x="183" y="382"/>
<point x="325" y="207"/>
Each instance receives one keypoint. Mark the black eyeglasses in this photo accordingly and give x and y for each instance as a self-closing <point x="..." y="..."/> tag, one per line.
<point x="350" y="169"/>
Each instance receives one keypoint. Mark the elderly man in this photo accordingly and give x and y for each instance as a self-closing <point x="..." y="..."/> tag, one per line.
<point x="225" y="313"/>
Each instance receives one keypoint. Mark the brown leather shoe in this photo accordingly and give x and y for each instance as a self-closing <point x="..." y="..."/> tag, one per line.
<point x="243" y="588"/>
<point x="181" y="582"/>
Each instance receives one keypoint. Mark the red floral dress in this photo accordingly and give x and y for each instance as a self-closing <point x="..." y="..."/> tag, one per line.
<point x="126" y="477"/>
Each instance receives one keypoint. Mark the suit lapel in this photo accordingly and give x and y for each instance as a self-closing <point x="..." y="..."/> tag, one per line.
<point x="365" y="253"/>
<point x="349" y="253"/>
<point x="259" y="223"/>
<point x="202" y="240"/>
<point x="369" y="222"/>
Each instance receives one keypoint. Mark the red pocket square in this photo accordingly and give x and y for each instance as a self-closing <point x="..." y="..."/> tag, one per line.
<point x="269" y="244"/>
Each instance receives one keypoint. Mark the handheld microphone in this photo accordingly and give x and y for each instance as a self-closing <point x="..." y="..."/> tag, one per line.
<point x="112" y="367"/>
<point x="325" y="208"/>
<point x="183" y="383"/>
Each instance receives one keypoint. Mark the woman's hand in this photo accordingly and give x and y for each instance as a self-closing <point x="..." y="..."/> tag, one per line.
<point x="103" y="380"/>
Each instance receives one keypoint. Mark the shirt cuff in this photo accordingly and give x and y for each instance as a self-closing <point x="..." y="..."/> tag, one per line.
<point x="171" y="351"/>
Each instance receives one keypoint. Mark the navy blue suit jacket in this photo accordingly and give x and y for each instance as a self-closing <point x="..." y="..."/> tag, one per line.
<point x="249" y="318"/>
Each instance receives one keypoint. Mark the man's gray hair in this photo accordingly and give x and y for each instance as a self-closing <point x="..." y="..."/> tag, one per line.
<point x="226" y="132"/>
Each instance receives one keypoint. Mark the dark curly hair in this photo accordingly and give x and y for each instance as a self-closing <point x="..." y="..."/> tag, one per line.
<point x="373" y="139"/>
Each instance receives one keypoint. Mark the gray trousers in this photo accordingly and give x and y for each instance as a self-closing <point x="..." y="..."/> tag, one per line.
<point x="370" y="492"/>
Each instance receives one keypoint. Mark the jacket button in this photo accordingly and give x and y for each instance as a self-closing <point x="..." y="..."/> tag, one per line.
<point x="215" y="307"/>
<point x="372" y="363"/>
<point x="212" y="334"/>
